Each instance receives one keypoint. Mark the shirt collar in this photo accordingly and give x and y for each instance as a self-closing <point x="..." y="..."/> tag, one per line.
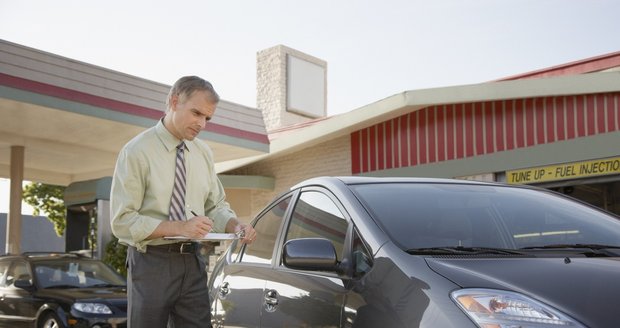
<point x="167" y="138"/>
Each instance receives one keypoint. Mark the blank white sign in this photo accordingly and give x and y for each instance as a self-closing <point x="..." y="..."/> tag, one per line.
<point x="305" y="87"/>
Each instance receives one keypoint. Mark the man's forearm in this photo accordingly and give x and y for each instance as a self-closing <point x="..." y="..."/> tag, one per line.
<point x="165" y="228"/>
<point x="231" y="225"/>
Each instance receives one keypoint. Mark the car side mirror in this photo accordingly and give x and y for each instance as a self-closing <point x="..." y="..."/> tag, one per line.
<point x="23" y="283"/>
<point x="316" y="254"/>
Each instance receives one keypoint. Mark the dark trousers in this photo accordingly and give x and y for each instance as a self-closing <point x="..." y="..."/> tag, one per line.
<point x="163" y="286"/>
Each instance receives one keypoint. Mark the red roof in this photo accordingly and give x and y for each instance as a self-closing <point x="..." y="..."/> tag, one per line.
<point x="588" y="65"/>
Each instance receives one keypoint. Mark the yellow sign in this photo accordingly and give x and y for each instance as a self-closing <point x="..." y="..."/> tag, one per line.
<point x="564" y="171"/>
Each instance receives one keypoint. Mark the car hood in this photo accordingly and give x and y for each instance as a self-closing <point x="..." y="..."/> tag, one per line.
<point x="114" y="293"/>
<point x="587" y="289"/>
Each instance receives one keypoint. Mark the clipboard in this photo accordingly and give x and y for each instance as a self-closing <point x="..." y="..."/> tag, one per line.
<point x="212" y="236"/>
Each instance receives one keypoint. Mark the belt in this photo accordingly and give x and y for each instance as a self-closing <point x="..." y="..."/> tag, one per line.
<point x="181" y="248"/>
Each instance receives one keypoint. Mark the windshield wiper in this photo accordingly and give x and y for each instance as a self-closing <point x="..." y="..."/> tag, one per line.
<point x="461" y="250"/>
<point x="62" y="286"/>
<point x="106" y="285"/>
<point x="590" y="249"/>
<point x="560" y="246"/>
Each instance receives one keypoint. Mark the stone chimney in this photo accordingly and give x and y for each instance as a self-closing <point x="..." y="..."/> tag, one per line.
<point x="291" y="86"/>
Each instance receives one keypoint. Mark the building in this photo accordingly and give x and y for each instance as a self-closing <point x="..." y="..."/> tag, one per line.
<point x="64" y="122"/>
<point x="558" y="128"/>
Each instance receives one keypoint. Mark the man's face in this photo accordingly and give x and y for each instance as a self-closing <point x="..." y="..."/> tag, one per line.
<point x="190" y="114"/>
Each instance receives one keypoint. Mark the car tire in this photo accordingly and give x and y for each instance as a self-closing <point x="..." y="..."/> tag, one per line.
<point x="50" y="320"/>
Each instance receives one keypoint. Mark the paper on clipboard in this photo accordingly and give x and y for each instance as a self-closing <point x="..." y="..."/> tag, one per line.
<point x="212" y="236"/>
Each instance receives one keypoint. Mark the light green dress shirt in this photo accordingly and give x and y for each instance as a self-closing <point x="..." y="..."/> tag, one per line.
<point x="143" y="181"/>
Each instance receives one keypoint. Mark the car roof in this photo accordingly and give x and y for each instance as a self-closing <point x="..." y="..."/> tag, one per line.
<point x="37" y="256"/>
<point x="351" y="180"/>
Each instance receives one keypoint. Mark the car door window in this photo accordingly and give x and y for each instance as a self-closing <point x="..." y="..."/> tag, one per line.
<point x="362" y="260"/>
<point x="267" y="228"/>
<point x="19" y="270"/>
<point x="317" y="216"/>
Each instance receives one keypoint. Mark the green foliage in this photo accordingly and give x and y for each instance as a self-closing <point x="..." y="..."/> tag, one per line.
<point x="50" y="200"/>
<point x="115" y="255"/>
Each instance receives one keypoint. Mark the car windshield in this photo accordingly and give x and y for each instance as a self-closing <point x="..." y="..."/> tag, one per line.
<point x="78" y="273"/>
<point x="422" y="215"/>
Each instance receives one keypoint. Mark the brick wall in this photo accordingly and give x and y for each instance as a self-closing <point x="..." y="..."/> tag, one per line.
<point x="271" y="85"/>
<point x="330" y="158"/>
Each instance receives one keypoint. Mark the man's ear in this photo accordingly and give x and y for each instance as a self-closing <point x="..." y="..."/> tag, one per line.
<point x="174" y="101"/>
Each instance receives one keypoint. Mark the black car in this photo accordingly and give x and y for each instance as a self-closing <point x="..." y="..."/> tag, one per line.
<point x="407" y="252"/>
<point x="56" y="290"/>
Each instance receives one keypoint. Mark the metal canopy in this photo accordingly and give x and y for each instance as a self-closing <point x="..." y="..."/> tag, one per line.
<point x="72" y="118"/>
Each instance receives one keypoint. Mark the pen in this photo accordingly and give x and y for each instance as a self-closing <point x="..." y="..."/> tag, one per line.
<point x="194" y="213"/>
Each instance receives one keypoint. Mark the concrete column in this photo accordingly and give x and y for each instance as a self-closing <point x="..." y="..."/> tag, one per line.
<point x="14" y="223"/>
<point x="104" y="229"/>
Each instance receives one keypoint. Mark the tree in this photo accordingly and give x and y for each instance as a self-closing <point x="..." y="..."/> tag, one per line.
<point x="50" y="200"/>
<point x="115" y="255"/>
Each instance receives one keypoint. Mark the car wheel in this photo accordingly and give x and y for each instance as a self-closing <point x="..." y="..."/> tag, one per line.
<point x="50" y="320"/>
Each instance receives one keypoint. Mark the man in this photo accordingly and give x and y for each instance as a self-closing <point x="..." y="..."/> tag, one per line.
<point x="165" y="185"/>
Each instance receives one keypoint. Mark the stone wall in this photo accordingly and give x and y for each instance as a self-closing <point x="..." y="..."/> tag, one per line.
<point x="331" y="158"/>
<point x="271" y="85"/>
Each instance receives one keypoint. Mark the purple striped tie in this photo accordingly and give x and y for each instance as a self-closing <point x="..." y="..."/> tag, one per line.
<point x="177" y="202"/>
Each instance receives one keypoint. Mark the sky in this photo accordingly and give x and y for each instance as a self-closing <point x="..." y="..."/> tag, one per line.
<point x="5" y="187"/>
<point x="373" y="49"/>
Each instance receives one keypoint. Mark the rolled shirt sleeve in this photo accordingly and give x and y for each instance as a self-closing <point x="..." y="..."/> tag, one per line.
<point x="218" y="209"/>
<point x="129" y="225"/>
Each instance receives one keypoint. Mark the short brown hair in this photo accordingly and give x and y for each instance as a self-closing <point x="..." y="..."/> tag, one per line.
<point x="185" y="86"/>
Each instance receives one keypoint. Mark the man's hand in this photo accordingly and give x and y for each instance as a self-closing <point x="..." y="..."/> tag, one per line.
<point x="234" y="226"/>
<point x="249" y="235"/>
<point x="196" y="227"/>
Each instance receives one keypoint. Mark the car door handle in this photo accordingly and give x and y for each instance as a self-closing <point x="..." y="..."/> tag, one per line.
<point x="224" y="290"/>
<point x="271" y="300"/>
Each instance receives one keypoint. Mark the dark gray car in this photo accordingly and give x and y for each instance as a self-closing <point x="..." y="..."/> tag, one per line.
<point x="405" y="252"/>
<point x="60" y="290"/>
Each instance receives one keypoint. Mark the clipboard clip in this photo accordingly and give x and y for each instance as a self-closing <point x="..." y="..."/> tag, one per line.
<point x="240" y="234"/>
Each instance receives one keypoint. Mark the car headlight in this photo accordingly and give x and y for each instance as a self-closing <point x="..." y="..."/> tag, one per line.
<point x="490" y="308"/>
<point x="96" y="308"/>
